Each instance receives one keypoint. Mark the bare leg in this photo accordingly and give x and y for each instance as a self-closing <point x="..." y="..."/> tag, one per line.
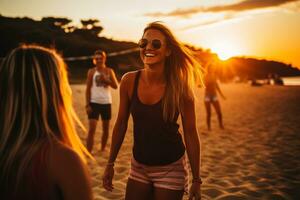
<point x="217" y="107"/>
<point x="166" y="194"/>
<point x="208" y="114"/>
<point x="91" y="134"/>
<point x="105" y="129"/>
<point x="136" y="190"/>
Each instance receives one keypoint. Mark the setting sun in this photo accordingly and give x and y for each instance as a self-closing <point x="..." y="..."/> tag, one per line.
<point x="225" y="50"/>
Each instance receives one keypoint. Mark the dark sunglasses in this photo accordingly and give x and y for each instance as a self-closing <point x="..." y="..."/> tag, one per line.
<point x="156" y="44"/>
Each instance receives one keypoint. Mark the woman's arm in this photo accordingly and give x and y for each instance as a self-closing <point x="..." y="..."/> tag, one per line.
<point x="113" y="79"/>
<point x="118" y="131"/>
<point x="219" y="90"/>
<point x="192" y="143"/>
<point x="122" y="120"/>
<point x="89" y="82"/>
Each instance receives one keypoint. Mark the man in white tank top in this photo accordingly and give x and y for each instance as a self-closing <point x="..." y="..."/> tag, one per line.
<point x="98" y="98"/>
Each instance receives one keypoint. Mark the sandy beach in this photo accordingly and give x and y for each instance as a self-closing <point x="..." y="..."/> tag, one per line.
<point x="257" y="156"/>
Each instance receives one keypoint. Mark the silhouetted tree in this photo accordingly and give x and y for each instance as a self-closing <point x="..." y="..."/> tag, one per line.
<point x="87" y="24"/>
<point x="92" y="26"/>
<point x="56" y="23"/>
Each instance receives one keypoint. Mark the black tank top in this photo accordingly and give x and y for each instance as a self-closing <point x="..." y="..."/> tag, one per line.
<point x="156" y="142"/>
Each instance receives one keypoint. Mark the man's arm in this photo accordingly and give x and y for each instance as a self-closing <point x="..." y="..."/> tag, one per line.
<point x="89" y="82"/>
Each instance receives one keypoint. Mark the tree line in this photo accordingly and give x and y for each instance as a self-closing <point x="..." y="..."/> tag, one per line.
<point x="72" y="40"/>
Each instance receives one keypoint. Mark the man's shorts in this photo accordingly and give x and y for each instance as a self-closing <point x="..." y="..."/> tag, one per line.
<point x="173" y="176"/>
<point x="100" y="109"/>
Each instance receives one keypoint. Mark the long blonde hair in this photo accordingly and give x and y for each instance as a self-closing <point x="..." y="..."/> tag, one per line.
<point x="181" y="72"/>
<point x="36" y="109"/>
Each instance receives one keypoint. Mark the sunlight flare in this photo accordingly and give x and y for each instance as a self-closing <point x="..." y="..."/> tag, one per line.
<point x="225" y="50"/>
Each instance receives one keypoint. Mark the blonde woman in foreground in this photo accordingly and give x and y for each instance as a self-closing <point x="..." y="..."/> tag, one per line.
<point x="155" y="96"/>
<point x="41" y="156"/>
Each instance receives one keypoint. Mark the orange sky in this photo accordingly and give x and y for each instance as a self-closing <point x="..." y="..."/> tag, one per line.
<point x="258" y="28"/>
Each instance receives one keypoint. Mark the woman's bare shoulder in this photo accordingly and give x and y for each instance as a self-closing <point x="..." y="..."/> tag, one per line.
<point x="129" y="76"/>
<point x="69" y="173"/>
<point x="91" y="71"/>
<point x="127" y="83"/>
<point x="127" y="80"/>
<point x="64" y="161"/>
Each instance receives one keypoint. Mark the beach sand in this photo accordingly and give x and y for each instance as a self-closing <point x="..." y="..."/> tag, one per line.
<point x="257" y="156"/>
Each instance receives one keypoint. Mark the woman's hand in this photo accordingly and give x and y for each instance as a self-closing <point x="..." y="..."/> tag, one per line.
<point x="105" y="80"/>
<point x="195" y="191"/>
<point x="88" y="109"/>
<point x="107" y="177"/>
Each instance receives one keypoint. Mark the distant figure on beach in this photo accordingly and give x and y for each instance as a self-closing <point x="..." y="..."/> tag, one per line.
<point x="277" y="80"/>
<point x="98" y="98"/>
<point x="155" y="96"/>
<point x="41" y="155"/>
<point x="269" y="78"/>
<point x="255" y="83"/>
<point x="274" y="79"/>
<point x="210" y="95"/>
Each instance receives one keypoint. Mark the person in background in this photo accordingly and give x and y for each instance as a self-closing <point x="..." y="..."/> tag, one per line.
<point x="41" y="155"/>
<point x="98" y="98"/>
<point x="155" y="97"/>
<point x="210" y="95"/>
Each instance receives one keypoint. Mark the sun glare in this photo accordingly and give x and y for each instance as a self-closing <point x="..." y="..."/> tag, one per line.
<point x="224" y="50"/>
<point x="224" y="55"/>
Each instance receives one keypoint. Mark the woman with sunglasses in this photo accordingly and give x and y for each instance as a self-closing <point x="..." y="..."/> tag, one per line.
<point x="155" y="96"/>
